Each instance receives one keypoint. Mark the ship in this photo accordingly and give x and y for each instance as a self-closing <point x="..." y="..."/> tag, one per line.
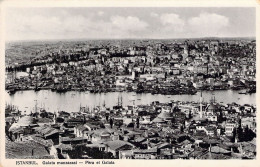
<point x="11" y="91"/>
<point x="251" y="90"/>
<point x="36" y="86"/>
<point x="60" y="89"/>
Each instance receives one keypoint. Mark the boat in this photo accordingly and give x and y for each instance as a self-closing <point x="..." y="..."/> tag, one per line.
<point x="36" y="86"/>
<point x="251" y="90"/>
<point x="11" y="91"/>
<point x="61" y="89"/>
<point x="36" y="89"/>
<point x="238" y="87"/>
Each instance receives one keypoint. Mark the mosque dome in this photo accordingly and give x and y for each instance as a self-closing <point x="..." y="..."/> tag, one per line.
<point x="158" y="120"/>
<point x="26" y="121"/>
<point x="211" y="107"/>
<point x="165" y="115"/>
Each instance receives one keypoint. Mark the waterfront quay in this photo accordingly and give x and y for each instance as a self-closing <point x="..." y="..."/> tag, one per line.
<point x="71" y="101"/>
<point x="171" y="130"/>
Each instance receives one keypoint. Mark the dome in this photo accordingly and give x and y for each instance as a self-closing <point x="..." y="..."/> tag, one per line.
<point x="164" y="115"/>
<point x="158" y="120"/>
<point x="105" y="133"/>
<point x="212" y="107"/>
<point x="144" y="122"/>
<point x="14" y="127"/>
<point x="25" y="121"/>
<point x="22" y="74"/>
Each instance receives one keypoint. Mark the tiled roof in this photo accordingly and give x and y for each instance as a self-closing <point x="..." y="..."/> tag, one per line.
<point x="81" y="127"/>
<point x="44" y="120"/>
<point x="164" y="115"/>
<point x="72" y="139"/>
<point x="26" y="121"/>
<point x="46" y="143"/>
<point x="46" y="130"/>
<point x="146" y="151"/>
<point x="116" y="144"/>
<point x="64" y="146"/>
<point x="140" y="139"/>
<point x="25" y="149"/>
<point x="249" y="147"/>
<point x="219" y="150"/>
<point x="197" y="153"/>
<point x="210" y="155"/>
<point x="98" y="145"/>
<point x="15" y="128"/>
<point x="100" y="132"/>
<point x="158" y="120"/>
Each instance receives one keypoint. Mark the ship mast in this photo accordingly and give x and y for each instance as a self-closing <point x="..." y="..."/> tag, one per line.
<point x="121" y="101"/>
<point x="201" y="104"/>
<point x="35" y="106"/>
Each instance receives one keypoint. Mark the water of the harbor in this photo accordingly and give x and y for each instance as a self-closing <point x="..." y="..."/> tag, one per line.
<point x="72" y="100"/>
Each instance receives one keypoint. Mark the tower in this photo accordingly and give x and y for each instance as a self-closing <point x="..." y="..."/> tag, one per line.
<point x="201" y="112"/>
<point x="54" y="117"/>
<point x="133" y="75"/>
<point x="121" y="101"/>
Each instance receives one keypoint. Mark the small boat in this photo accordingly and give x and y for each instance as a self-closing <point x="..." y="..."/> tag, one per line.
<point x="36" y="89"/>
<point x="251" y="90"/>
<point x="12" y="91"/>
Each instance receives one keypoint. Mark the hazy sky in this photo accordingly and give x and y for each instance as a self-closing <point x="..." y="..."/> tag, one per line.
<point x="103" y="23"/>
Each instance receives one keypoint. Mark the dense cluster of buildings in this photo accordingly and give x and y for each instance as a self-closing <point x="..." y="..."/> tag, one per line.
<point x="177" y="67"/>
<point x="173" y="130"/>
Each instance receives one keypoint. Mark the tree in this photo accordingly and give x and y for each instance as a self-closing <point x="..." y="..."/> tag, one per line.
<point x="44" y="114"/>
<point x="181" y="128"/>
<point x="220" y="117"/>
<point x="137" y="122"/>
<point x="111" y="122"/>
<point x="107" y="116"/>
<point x="190" y="114"/>
<point x="234" y="135"/>
<point x="248" y="134"/>
<point x="59" y="120"/>
<point x="240" y="134"/>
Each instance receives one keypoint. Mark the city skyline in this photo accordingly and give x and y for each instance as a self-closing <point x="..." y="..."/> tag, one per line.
<point x="122" y="23"/>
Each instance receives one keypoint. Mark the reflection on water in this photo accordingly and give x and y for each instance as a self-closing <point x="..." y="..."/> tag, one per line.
<point x="71" y="101"/>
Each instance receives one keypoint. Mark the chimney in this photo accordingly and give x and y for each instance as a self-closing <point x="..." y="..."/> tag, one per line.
<point x="32" y="152"/>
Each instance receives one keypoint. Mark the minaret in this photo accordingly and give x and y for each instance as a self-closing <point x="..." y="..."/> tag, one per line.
<point x="54" y="117"/>
<point x="36" y="108"/>
<point x="121" y="101"/>
<point x="201" y="104"/>
<point x="104" y="104"/>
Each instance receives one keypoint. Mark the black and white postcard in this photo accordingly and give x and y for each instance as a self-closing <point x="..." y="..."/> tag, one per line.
<point x="112" y="84"/>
